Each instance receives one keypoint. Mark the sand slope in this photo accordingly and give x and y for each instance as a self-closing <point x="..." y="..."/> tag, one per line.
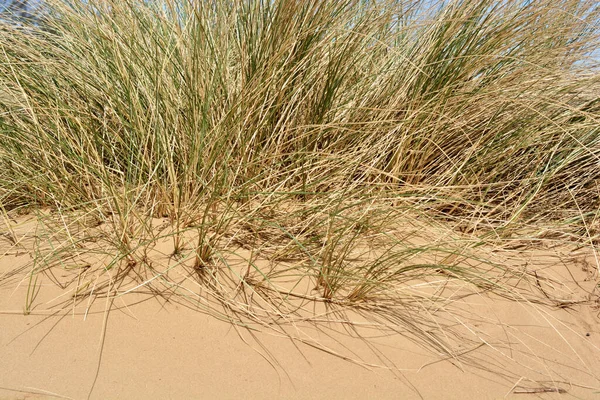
<point x="152" y="347"/>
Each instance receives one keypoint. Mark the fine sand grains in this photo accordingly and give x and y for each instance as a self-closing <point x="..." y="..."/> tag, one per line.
<point x="455" y="342"/>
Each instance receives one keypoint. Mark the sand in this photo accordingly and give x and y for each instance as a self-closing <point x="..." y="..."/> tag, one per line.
<point x="149" y="346"/>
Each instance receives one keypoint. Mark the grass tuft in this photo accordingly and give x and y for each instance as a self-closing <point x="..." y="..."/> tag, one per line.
<point x="265" y="154"/>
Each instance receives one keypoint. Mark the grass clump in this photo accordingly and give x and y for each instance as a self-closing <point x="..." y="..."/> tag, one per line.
<point x="279" y="150"/>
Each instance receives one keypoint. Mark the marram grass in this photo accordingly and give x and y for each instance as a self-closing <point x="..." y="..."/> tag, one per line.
<point x="313" y="141"/>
